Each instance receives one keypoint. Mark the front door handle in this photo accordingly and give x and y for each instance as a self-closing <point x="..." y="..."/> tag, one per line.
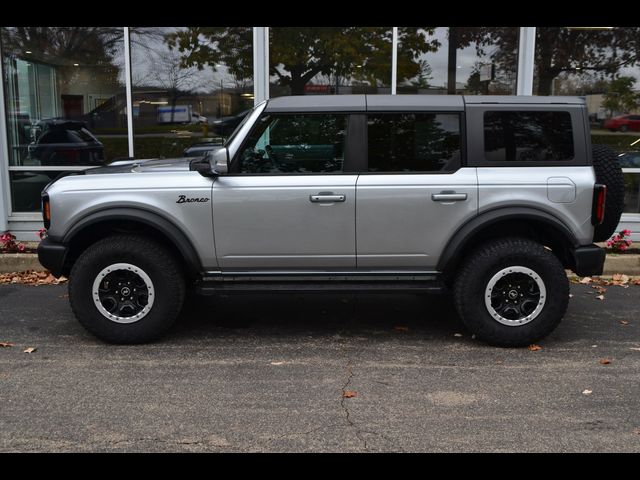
<point x="327" y="198"/>
<point x="448" y="197"/>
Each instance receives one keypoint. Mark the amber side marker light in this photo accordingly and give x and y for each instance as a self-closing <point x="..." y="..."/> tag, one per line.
<point x="46" y="211"/>
<point x="597" y="210"/>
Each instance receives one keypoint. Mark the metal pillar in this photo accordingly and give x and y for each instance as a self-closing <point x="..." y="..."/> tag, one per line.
<point x="526" y="60"/>
<point x="394" y="61"/>
<point x="5" y="197"/>
<point x="128" y="85"/>
<point x="260" y="64"/>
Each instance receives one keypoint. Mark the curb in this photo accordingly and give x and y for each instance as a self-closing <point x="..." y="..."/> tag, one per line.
<point x="626" y="264"/>
<point x="20" y="262"/>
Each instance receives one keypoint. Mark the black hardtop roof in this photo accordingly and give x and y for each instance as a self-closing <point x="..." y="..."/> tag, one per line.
<point x="362" y="103"/>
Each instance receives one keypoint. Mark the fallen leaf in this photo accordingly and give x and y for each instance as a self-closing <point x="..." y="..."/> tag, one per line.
<point x="401" y="328"/>
<point x="349" y="394"/>
<point x="31" y="277"/>
<point x="586" y="280"/>
<point x="605" y="361"/>
<point x="634" y="348"/>
<point x="620" y="279"/>
<point x="29" y="350"/>
<point x="457" y="335"/>
<point x="624" y="322"/>
<point x="534" y="348"/>
<point x="6" y="344"/>
<point x="600" y="297"/>
<point x="587" y="392"/>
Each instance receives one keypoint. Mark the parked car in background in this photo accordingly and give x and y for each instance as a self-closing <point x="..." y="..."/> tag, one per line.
<point x="180" y="114"/>
<point x="201" y="149"/>
<point x="65" y="142"/>
<point x="623" y="123"/>
<point x="226" y="125"/>
<point x="629" y="159"/>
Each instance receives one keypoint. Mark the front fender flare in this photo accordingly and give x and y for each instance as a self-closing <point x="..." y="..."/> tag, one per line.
<point x="146" y="217"/>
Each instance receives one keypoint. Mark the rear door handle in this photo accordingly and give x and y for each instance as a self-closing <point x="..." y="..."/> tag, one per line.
<point x="327" y="198"/>
<point x="448" y="197"/>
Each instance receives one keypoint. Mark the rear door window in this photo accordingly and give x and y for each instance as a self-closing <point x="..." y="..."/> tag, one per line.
<point x="413" y="142"/>
<point x="531" y="136"/>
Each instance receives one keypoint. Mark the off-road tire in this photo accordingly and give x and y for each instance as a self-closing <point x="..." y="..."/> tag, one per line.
<point x="487" y="260"/>
<point x="151" y="257"/>
<point x="608" y="172"/>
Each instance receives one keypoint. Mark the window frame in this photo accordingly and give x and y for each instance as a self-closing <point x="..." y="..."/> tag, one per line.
<point x="475" y="127"/>
<point x="463" y="140"/>
<point x="351" y="157"/>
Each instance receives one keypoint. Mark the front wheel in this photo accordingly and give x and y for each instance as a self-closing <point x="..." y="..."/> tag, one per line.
<point x="511" y="292"/>
<point x="126" y="289"/>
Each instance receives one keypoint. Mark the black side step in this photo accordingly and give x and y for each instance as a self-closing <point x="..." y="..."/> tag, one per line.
<point x="215" y="287"/>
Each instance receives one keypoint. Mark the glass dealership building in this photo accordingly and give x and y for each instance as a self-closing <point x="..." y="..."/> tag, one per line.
<point x="75" y="97"/>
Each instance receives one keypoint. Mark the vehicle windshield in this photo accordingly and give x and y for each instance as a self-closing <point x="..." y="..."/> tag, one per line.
<point x="240" y="125"/>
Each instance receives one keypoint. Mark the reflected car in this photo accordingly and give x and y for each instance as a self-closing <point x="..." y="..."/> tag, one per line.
<point x="227" y="125"/>
<point x="201" y="149"/>
<point x="629" y="159"/>
<point x="66" y="142"/>
<point x="197" y="118"/>
<point x="623" y="123"/>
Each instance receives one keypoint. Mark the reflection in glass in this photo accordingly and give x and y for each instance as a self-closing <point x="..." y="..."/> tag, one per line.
<point x="295" y="144"/>
<point x="26" y="188"/>
<point x="191" y="85"/>
<point x="409" y="142"/>
<point x="329" y="60"/>
<point x="599" y="63"/>
<point x="64" y="92"/>
<point x="457" y="60"/>
<point x="631" y="193"/>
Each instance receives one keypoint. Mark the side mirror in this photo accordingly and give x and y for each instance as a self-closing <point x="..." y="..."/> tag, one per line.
<point x="220" y="161"/>
<point x="212" y="164"/>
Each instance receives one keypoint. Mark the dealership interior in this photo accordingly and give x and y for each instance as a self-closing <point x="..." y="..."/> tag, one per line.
<point x="74" y="98"/>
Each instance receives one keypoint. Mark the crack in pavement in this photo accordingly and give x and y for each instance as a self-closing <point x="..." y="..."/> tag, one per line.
<point x="351" y="423"/>
<point x="343" y="405"/>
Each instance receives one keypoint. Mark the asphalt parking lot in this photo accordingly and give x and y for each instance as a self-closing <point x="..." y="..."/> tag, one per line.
<point x="270" y="373"/>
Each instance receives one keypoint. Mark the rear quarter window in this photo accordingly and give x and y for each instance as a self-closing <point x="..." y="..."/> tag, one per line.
<point x="533" y="136"/>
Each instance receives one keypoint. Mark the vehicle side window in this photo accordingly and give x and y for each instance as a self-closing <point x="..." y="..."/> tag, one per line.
<point x="527" y="136"/>
<point x="54" y="136"/>
<point x="413" y="142"/>
<point x="281" y="144"/>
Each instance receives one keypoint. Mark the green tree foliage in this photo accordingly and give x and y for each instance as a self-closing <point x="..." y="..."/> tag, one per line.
<point x="621" y="97"/>
<point x="299" y="54"/>
<point x="561" y="49"/>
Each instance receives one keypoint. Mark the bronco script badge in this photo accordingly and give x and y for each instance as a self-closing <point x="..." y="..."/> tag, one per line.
<point x="184" y="199"/>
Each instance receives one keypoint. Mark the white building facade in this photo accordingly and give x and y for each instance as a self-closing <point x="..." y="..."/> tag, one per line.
<point x="75" y="97"/>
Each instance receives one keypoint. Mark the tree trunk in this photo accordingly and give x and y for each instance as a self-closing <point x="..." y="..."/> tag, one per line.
<point x="297" y="84"/>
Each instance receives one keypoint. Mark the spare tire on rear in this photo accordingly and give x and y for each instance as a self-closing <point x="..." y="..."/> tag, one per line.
<point x="608" y="172"/>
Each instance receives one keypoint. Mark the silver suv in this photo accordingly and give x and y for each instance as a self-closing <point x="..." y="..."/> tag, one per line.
<point x="488" y="198"/>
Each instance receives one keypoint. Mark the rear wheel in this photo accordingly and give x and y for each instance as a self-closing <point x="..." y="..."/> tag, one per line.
<point x="126" y="289"/>
<point x="511" y="292"/>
